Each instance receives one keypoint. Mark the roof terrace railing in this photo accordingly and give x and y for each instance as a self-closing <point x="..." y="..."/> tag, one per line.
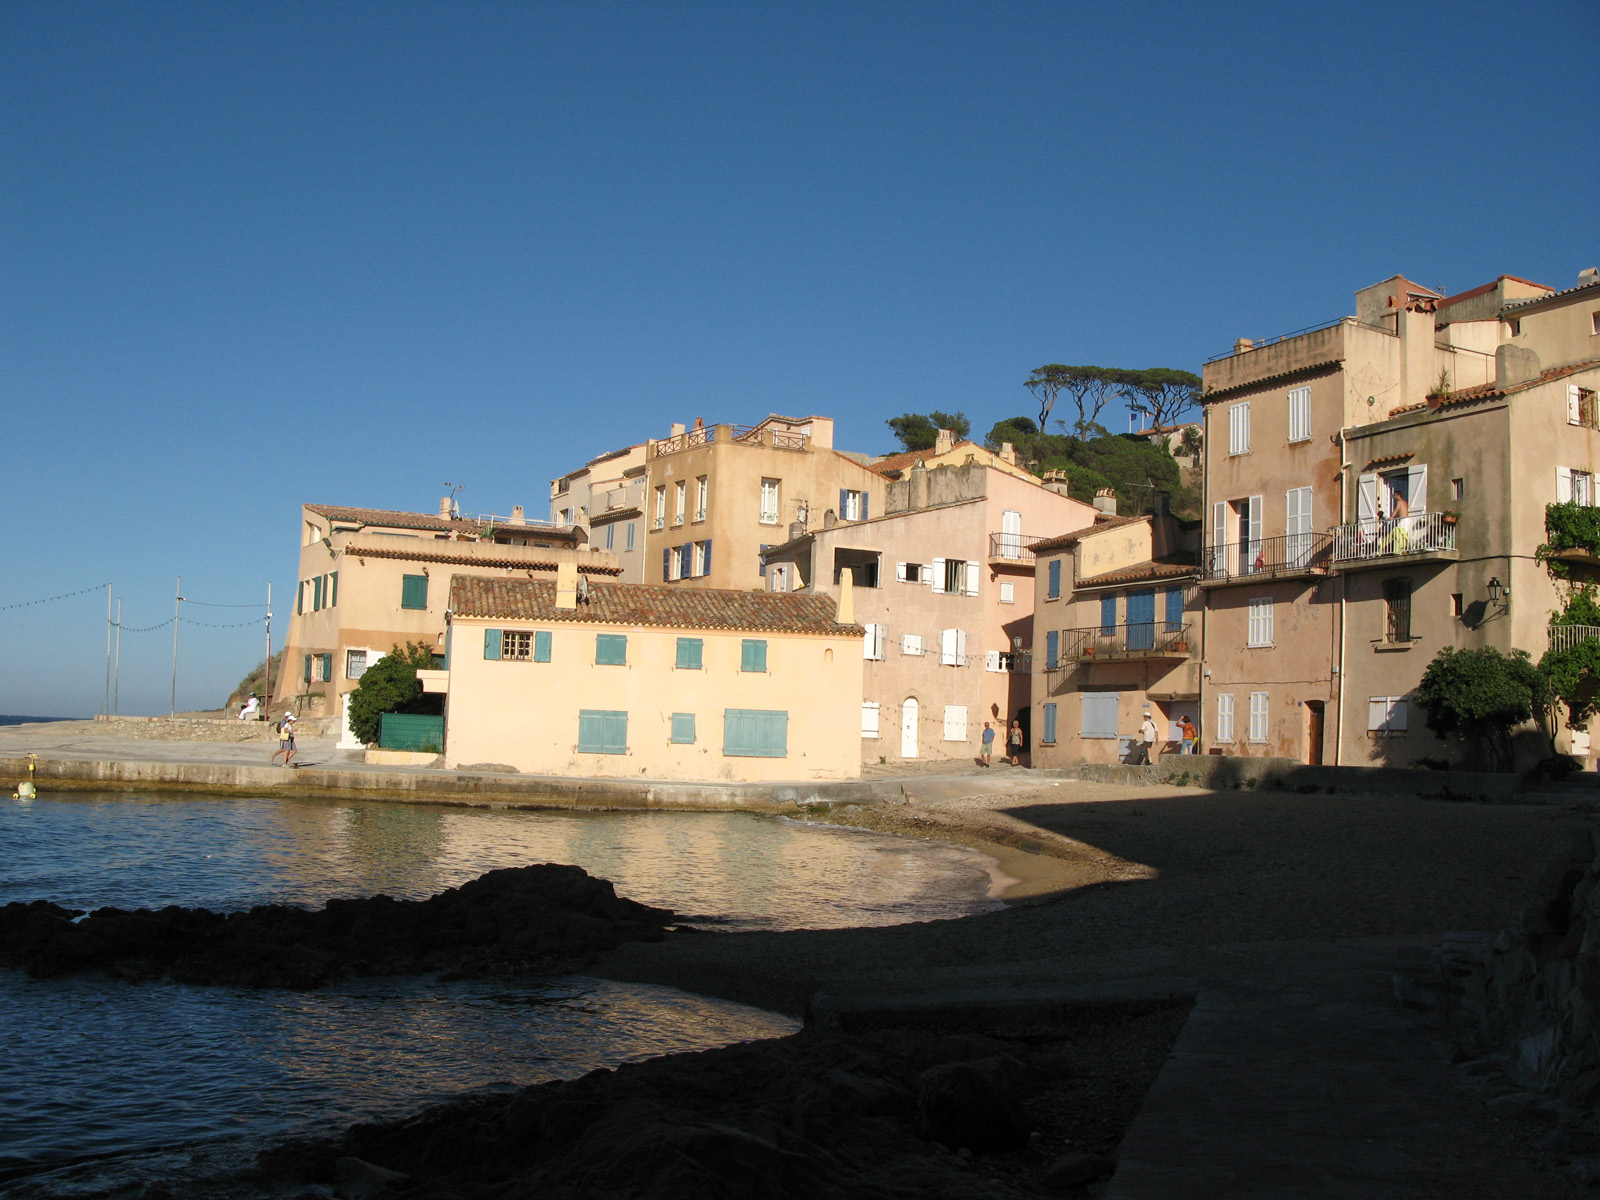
<point x="1284" y="337"/>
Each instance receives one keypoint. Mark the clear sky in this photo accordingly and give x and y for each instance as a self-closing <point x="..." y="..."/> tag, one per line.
<point x="260" y="254"/>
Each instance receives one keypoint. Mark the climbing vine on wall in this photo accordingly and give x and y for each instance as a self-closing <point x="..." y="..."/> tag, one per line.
<point x="1568" y="526"/>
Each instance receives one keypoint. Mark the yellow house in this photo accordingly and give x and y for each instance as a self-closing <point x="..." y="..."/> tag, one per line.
<point x="570" y="677"/>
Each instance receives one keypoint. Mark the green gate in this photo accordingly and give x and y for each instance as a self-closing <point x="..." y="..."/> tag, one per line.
<point x="411" y="731"/>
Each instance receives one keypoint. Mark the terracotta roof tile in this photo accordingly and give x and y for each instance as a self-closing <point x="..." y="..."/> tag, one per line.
<point x="1101" y="522"/>
<point x="390" y="518"/>
<point x="645" y="604"/>
<point x="1172" y="567"/>
<point x="464" y="560"/>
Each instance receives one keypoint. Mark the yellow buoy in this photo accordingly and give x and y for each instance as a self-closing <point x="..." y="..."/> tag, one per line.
<point x="26" y="790"/>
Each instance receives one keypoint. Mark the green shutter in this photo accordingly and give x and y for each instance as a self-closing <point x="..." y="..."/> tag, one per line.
<point x="413" y="591"/>
<point x="300" y="599"/>
<point x="327" y="668"/>
<point x="754" y="656"/>
<point x="755" y="733"/>
<point x="541" y="645"/>
<point x="690" y="653"/>
<point x="308" y="668"/>
<point x="491" y="644"/>
<point x="611" y="649"/>
<point x="602" y="732"/>
<point x="683" y="728"/>
<point x="333" y="582"/>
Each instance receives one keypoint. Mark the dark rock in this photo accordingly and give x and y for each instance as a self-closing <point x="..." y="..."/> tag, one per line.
<point x="1075" y="1170"/>
<point x="356" y="1179"/>
<point x="972" y="1104"/>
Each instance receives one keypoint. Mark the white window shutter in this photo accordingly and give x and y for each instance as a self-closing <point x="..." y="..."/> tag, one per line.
<point x="927" y="573"/>
<point x="1377" y="713"/>
<point x="1563" y="485"/>
<point x="900" y="572"/>
<point x="1367" y="498"/>
<point x="1397" y="714"/>
<point x="1257" y="511"/>
<point x="947" y="647"/>
<point x="938" y="575"/>
<point x="972" y="578"/>
<point x="961" y="647"/>
<point x="1574" y="405"/>
<point x="1417" y="488"/>
<point x="991" y="660"/>
<point x="869" y="719"/>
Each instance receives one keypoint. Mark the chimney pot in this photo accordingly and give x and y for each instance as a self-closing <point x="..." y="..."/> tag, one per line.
<point x="1008" y="452"/>
<point x="1240" y="345"/>
<point x="517" y="517"/>
<point x="1106" y="501"/>
<point x="444" y="507"/>
<point x="567" y="585"/>
<point x="1588" y="275"/>
<point x="946" y="441"/>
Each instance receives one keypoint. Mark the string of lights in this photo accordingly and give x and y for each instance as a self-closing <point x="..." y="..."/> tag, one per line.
<point x="52" y="599"/>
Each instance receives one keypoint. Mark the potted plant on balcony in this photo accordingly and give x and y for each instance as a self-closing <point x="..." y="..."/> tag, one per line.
<point x="1449" y="517"/>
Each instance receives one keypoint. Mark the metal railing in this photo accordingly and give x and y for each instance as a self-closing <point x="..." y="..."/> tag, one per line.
<point x="1018" y="546"/>
<point x="1266" y="558"/>
<point x="1394" y="537"/>
<point x="1565" y="637"/>
<point x="1284" y="337"/>
<point x="1145" y="639"/>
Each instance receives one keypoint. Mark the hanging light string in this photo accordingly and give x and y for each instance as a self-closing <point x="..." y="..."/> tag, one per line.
<point x="234" y="625"/>
<point x="52" y="599"/>
<point x="208" y="604"/>
<point x="186" y="621"/>
<point x="141" y="629"/>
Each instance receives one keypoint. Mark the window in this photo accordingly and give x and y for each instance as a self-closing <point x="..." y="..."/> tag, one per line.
<point x="680" y="501"/>
<point x="1174" y="610"/>
<point x="778" y="579"/>
<point x="1397" y="610"/>
<point x="1108" y="615"/>
<point x="516" y="645"/>
<point x="1456" y="607"/>
<point x="702" y="557"/>
<point x="952" y="647"/>
<point x="1386" y="716"/>
<point x="1225" y="716"/>
<point x="1258" y="716"/>
<point x="690" y="653"/>
<point x="911" y="643"/>
<point x="1239" y="428"/>
<point x="611" y="537"/>
<point x="701" y="491"/>
<point x="1594" y="321"/>
<point x="912" y="573"/>
<point x="1581" y="406"/>
<point x="601" y="731"/>
<point x="661" y="507"/>
<point x="853" y="505"/>
<point x="769" y="501"/>
<point x="1053" y="589"/>
<point x="1458" y="489"/>
<point x="1049" y="738"/>
<point x="955" y="575"/>
<point x="1100" y="714"/>
<point x="413" y="591"/>
<point x="872" y="642"/>
<point x="355" y="664"/>
<point x="753" y="655"/>
<point x="1052" y="649"/>
<point x="1575" y="487"/>
<point x="611" y="649"/>
<point x="627" y="543"/>
<point x="869" y="718"/>
<point x="682" y="729"/>
<point x="1008" y="593"/>
<point x="755" y="733"/>
<point x="1260" y="632"/>
<point x="1299" y="415"/>
<point x="1516" y="326"/>
<point x="955" y="722"/>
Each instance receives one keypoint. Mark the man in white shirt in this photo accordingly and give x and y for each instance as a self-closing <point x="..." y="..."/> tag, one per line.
<point x="1147" y="738"/>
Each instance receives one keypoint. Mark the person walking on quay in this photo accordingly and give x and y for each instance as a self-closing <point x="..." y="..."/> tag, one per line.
<point x="1014" y="742"/>
<point x="285" y="738"/>
<point x="1191" y="735"/>
<point x="1147" y="738"/>
<point x="986" y="758"/>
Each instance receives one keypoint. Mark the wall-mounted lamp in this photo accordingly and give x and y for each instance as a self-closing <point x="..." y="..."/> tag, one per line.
<point x="1499" y="594"/>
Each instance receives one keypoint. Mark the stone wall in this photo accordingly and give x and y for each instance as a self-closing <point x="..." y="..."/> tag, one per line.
<point x="1224" y="773"/>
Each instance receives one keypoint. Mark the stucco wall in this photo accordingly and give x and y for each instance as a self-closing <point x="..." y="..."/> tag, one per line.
<point x="1561" y="331"/>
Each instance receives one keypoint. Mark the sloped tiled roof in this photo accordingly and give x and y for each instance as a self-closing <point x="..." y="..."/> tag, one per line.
<point x="1533" y="300"/>
<point x="389" y="518"/>
<point x="1176" y="566"/>
<point x="1102" y="522"/>
<point x="1488" y="391"/>
<point x="645" y="604"/>
<point x="466" y="560"/>
<point x="894" y="464"/>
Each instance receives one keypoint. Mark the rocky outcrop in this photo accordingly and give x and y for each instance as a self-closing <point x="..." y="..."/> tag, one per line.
<point x="538" y="918"/>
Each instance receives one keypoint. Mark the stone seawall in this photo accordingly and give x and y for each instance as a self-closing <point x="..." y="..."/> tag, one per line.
<point x="1290" y="775"/>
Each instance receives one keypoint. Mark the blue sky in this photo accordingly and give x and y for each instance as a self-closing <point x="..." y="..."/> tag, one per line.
<point x="261" y="254"/>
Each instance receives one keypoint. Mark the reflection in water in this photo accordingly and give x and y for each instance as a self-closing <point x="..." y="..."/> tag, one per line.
<point x="98" y="1068"/>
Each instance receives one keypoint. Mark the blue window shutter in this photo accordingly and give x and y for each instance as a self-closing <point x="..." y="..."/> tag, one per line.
<point x="1049" y="722"/>
<point x="707" y="563"/>
<point x="686" y="560"/>
<point x="1108" y="613"/>
<point x="491" y="644"/>
<point x="666" y="563"/>
<point x="1174" y="609"/>
<point x="628" y="544"/>
<point x="308" y="668"/>
<point x="683" y="728"/>
<point x="541" y="645"/>
<point x="753" y="655"/>
<point x="843" y="494"/>
<point x="1052" y="649"/>
<point x="864" y="498"/>
<point x="1055" y="578"/>
<point x="333" y="601"/>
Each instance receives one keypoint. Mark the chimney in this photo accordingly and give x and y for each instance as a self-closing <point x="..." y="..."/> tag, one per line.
<point x="1240" y="345"/>
<point x="946" y="442"/>
<point x="444" y="507"/>
<point x="846" y="614"/>
<point x="516" y="515"/>
<point x="1160" y="504"/>
<point x="677" y="429"/>
<point x="1514" y="364"/>
<point x="1106" y="501"/>
<point x="566" y="586"/>
<point x="1057" y="482"/>
<point x="1588" y="275"/>
<point x="1008" y="453"/>
<point x="797" y="529"/>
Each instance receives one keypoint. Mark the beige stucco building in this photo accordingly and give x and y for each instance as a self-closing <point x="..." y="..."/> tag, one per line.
<point x="1369" y="484"/>
<point x="1116" y="635"/>
<point x="621" y="680"/>
<point x="605" y="497"/>
<point x="942" y="582"/>
<point x="370" y="579"/>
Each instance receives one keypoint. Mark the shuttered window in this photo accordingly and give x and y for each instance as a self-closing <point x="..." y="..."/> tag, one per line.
<point x="1108" y="614"/>
<point x="1052" y="649"/>
<point x="413" y="591"/>
<point x="955" y="722"/>
<point x="753" y="655"/>
<point x="1300" y="414"/>
<point x="1260" y="629"/>
<point x="755" y="733"/>
<point x="872" y="642"/>
<point x="952" y="647"/>
<point x="1239" y="428"/>
<point x="1258" y="716"/>
<point x="611" y="649"/>
<point x="1054" y="591"/>
<point x="1386" y="716"/>
<point x="1225" y="716"/>
<point x="1049" y="724"/>
<point x="602" y="732"/>
<point x="1174" y="609"/>
<point x="683" y="729"/>
<point x="911" y="643"/>
<point x="1100" y="714"/>
<point x="690" y="653"/>
<point x="869" y="718"/>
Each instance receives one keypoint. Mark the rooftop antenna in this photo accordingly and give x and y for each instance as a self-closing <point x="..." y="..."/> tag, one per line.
<point x="455" y="509"/>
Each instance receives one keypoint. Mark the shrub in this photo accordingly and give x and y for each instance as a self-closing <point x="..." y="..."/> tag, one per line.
<point x="391" y="685"/>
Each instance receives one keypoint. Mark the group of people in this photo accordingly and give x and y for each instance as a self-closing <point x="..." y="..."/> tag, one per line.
<point x="1144" y="746"/>
<point x="251" y="710"/>
<point x="1013" y="748"/>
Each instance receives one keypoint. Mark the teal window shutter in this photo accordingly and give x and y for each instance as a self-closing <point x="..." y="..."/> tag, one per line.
<point x="1049" y="722"/>
<point x="683" y="728"/>
<point x="541" y="645"/>
<point x="1055" y="578"/>
<point x="316" y="594"/>
<point x="327" y="668"/>
<point x="413" y="591"/>
<point x="333" y="582"/>
<point x="308" y="668"/>
<point x="754" y="657"/>
<point x="300" y="599"/>
<point x="611" y="649"/>
<point x="1052" y="649"/>
<point x="755" y="733"/>
<point x="690" y="653"/>
<point x="601" y="731"/>
<point x="491" y="644"/>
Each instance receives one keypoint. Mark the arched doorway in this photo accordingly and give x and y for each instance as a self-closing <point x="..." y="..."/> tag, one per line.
<point x="908" y="728"/>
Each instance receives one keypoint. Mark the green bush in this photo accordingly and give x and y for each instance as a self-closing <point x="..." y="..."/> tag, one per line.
<point x="391" y="685"/>
<point x="1479" y="696"/>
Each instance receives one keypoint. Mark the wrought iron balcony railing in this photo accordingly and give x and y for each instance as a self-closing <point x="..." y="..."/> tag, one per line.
<point x="1394" y="537"/>
<point x="1153" y="639"/>
<point x="1565" y="637"/>
<point x="1290" y="554"/>
<point x="1017" y="547"/>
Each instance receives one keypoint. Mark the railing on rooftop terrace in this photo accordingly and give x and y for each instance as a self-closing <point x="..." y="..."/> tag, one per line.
<point x="1266" y="558"/>
<point x="1015" y="546"/>
<point x="1565" y="637"/>
<point x="1284" y="337"/>
<point x="1393" y="537"/>
<point x="750" y="435"/>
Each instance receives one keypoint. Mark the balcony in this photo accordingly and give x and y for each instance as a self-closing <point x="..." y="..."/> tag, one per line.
<point x="1013" y="547"/>
<point x="1565" y="637"/>
<point x="1380" y="542"/>
<point x="747" y="435"/>
<point x="1293" y="554"/>
<point x="1155" y="639"/>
